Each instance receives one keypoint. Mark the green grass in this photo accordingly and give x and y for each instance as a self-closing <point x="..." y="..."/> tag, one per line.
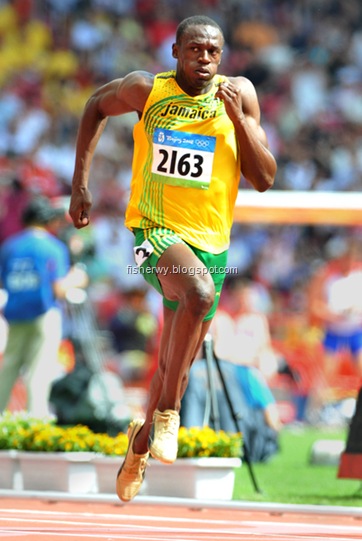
<point x="290" y="478"/>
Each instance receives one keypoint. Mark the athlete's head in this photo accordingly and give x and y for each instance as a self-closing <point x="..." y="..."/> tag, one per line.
<point x="196" y="20"/>
<point x="198" y="51"/>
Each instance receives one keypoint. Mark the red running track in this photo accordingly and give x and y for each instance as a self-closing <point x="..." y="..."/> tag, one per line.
<point x="42" y="520"/>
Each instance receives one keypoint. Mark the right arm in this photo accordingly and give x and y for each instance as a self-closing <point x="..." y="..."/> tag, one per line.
<point x="118" y="97"/>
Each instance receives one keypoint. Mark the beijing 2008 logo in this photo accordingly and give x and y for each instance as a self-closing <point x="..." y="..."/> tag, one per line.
<point x="161" y="137"/>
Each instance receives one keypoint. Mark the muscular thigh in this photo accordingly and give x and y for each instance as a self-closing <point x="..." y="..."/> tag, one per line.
<point x="172" y="267"/>
<point x="180" y="270"/>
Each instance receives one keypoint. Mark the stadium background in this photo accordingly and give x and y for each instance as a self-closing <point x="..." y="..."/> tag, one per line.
<point x="305" y="60"/>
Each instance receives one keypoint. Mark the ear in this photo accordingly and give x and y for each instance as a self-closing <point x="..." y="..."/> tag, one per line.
<point x="174" y="50"/>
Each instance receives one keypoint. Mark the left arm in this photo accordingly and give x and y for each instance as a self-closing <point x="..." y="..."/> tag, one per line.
<point x="258" y="165"/>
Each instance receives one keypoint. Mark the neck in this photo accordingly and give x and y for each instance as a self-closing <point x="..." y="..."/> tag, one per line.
<point x="204" y="88"/>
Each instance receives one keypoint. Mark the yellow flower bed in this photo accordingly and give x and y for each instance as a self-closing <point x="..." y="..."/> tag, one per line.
<point x="206" y="442"/>
<point x="22" y="432"/>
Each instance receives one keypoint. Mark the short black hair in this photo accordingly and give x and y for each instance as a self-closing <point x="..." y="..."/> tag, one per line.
<point x="40" y="211"/>
<point x="195" y="20"/>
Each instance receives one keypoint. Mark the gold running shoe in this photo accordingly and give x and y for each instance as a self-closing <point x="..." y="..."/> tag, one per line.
<point x="164" y="445"/>
<point x="132" y="472"/>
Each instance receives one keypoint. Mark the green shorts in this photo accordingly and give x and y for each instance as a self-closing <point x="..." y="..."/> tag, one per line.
<point x="150" y="245"/>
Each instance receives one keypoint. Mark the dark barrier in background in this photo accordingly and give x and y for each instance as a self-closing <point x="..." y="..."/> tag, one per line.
<point x="350" y="466"/>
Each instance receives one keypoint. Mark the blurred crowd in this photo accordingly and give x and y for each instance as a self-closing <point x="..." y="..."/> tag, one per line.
<point x="305" y="60"/>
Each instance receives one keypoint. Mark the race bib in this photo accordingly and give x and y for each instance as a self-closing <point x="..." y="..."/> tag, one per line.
<point x="182" y="159"/>
<point x="142" y="252"/>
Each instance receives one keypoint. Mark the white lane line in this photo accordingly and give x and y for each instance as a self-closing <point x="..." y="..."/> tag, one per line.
<point x="116" y="517"/>
<point x="254" y="529"/>
<point x="162" y="529"/>
<point x="113" y="536"/>
<point x="197" y="535"/>
<point x="227" y="525"/>
<point x="306" y="527"/>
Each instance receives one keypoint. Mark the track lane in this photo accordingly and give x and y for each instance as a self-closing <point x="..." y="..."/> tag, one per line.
<point x="30" y="520"/>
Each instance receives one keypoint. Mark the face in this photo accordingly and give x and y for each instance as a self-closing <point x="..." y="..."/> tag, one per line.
<point x="198" y="57"/>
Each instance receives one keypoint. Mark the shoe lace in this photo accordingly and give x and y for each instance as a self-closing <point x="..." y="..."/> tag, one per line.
<point x="168" y="423"/>
<point x="137" y="466"/>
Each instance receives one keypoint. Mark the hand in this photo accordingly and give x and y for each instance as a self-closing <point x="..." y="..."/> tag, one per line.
<point x="79" y="207"/>
<point x="231" y="95"/>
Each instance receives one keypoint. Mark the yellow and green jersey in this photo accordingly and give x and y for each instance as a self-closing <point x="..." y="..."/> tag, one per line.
<point x="186" y="166"/>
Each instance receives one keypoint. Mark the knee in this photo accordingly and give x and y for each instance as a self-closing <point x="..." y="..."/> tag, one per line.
<point x="200" y="297"/>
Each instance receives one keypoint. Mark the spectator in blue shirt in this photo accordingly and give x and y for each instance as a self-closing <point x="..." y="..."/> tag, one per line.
<point x="35" y="273"/>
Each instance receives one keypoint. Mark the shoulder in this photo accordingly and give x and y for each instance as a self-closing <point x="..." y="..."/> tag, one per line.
<point x="249" y="96"/>
<point x="244" y="84"/>
<point x="54" y="245"/>
<point x="143" y="81"/>
<point x="123" y="95"/>
<point x="139" y="79"/>
<point x="133" y="89"/>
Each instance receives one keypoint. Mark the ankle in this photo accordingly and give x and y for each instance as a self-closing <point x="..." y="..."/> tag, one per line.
<point x="162" y="408"/>
<point x="140" y="443"/>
